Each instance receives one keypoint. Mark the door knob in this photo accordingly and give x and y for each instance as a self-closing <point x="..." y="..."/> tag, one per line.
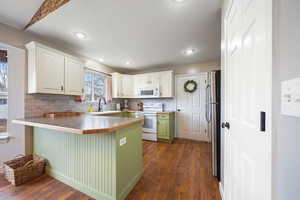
<point x="178" y="110"/>
<point x="226" y="125"/>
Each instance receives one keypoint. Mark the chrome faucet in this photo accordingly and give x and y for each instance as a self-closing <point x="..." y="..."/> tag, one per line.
<point x="100" y="108"/>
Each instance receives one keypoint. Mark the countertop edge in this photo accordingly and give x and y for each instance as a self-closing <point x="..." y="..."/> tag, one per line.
<point x="171" y="112"/>
<point x="111" y="113"/>
<point x="78" y="131"/>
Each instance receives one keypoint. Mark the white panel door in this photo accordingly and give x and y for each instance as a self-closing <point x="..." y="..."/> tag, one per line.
<point x="248" y="93"/>
<point x="74" y="75"/>
<point x="50" y="72"/>
<point x="191" y="122"/>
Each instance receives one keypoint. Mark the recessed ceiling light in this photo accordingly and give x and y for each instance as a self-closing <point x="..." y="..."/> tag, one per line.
<point x="179" y="1"/>
<point x="101" y="59"/>
<point x="190" y="51"/>
<point x="80" y="35"/>
<point x="128" y="62"/>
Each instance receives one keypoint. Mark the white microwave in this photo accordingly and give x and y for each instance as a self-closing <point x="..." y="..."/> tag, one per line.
<point x="149" y="92"/>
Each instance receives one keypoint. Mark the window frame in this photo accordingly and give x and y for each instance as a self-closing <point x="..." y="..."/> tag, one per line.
<point x="93" y="100"/>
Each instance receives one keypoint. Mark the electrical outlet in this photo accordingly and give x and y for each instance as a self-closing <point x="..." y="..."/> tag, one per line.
<point x="122" y="141"/>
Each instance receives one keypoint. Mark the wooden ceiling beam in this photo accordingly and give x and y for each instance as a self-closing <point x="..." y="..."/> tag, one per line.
<point x="47" y="7"/>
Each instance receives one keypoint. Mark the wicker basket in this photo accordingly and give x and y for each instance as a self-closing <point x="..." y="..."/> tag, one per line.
<point x="23" y="169"/>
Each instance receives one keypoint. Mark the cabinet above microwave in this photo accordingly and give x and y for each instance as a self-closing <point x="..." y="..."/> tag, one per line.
<point x="131" y="86"/>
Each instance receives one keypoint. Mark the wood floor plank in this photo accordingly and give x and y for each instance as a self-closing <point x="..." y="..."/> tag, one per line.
<point x="178" y="171"/>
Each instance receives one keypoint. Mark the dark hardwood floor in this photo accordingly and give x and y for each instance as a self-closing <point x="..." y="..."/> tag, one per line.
<point x="181" y="170"/>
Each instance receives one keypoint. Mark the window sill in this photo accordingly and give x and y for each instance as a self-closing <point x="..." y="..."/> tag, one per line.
<point x="4" y="138"/>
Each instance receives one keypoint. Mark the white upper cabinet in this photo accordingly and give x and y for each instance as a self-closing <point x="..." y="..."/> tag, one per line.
<point x="116" y="85"/>
<point x="74" y="75"/>
<point x="53" y="72"/>
<point x="140" y="81"/>
<point x="152" y="79"/>
<point x="166" y="84"/>
<point x="47" y="64"/>
<point x="127" y="86"/>
<point x="123" y="85"/>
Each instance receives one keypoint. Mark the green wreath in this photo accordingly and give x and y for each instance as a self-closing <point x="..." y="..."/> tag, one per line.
<point x="187" y="87"/>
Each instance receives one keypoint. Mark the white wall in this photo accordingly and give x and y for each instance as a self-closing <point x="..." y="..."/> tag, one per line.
<point x="16" y="93"/>
<point x="286" y="148"/>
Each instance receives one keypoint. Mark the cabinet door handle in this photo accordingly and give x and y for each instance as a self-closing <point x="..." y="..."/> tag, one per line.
<point x="62" y="88"/>
<point x="82" y="90"/>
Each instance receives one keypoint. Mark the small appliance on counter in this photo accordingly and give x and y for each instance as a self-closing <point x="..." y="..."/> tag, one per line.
<point x="118" y="106"/>
<point x="150" y="120"/>
<point x="140" y="106"/>
<point x="126" y="104"/>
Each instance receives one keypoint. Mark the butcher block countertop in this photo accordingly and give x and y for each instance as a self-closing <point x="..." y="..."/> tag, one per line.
<point x="82" y="124"/>
<point x="167" y="112"/>
<point x="103" y="113"/>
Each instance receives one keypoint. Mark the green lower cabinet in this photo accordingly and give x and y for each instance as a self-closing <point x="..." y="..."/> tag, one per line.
<point x="118" y="115"/>
<point x="166" y="127"/>
<point x="131" y="114"/>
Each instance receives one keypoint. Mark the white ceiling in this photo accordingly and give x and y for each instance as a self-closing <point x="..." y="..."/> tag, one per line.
<point x="18" y="13"/>
<point x="146" y="32"/>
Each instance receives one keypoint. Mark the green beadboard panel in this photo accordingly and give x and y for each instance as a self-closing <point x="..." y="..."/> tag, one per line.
<point x="85" y="161"/>
<point x="129" y="159"/>
<point x="89" y="163"/>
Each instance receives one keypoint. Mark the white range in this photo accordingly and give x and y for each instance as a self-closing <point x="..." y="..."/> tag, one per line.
<point x="150" y="122"/>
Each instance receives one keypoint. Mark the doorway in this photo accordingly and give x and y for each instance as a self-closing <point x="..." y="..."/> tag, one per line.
<point x="191" y="122"/>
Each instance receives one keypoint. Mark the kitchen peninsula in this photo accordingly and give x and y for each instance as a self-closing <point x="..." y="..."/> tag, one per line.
<point x="100" y="156"/>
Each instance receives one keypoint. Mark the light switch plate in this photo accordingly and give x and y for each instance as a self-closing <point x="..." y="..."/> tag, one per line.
<point x="123" y="141"/>
<point x="290" y="97"/>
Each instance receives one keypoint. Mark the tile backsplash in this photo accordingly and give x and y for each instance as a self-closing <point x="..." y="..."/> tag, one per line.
<point x="169" y="104"/>
<point x="38" y="104"/>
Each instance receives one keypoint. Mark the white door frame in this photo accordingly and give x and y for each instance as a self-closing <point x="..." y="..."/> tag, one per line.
<point x="268" y="108"/>
<point x="175" y="92"/>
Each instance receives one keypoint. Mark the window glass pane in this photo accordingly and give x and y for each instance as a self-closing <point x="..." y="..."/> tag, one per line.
<point x="88" y="80"/>
<point x="3" y="77"/>
<point x="3" y="91"/>
<point x="99" y="86"/>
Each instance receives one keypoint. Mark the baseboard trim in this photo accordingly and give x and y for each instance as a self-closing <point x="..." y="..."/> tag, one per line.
<point x="78" y="186"/>
<point x="129" y="187"/>
<point x="221" y="191"/>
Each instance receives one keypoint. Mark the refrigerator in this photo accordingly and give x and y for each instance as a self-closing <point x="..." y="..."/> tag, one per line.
<point x="213" y="117"/>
